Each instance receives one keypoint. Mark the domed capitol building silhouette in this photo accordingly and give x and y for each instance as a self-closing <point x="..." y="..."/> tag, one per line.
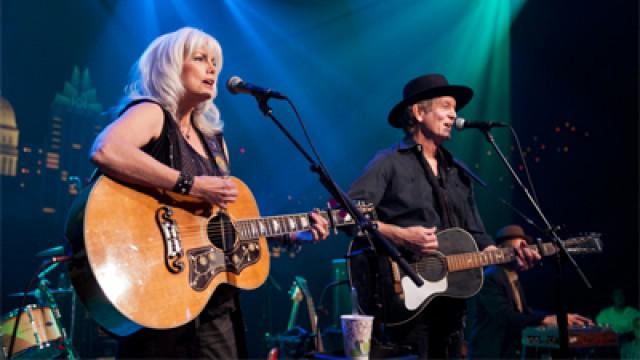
<point x="9" y="135"/>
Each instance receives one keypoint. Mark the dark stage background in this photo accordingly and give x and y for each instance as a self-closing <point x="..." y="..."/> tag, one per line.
<point x="564" y="73"/>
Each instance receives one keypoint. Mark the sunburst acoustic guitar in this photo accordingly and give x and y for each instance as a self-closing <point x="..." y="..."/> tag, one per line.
<point x="151" y="258"/>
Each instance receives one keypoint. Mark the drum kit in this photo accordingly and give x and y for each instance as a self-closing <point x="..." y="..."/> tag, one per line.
<point x="35" y="330"/>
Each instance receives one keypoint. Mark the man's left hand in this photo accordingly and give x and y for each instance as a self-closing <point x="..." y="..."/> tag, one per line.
<point x="526" y="258"/>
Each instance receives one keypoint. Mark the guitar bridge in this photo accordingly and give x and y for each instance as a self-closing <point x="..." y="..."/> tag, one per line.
<point x="172" y="247"/>
<point x="204" y="264"/>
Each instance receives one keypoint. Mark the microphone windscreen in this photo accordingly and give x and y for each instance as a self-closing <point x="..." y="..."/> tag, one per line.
<point x="232" y="84"/>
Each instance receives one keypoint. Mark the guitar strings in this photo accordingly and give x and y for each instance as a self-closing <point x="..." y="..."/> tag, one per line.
<point x="247" y="221"/>
<point x="218" y="231"/>
<point x="240" y="227"/>
<point x="241" y="235"/>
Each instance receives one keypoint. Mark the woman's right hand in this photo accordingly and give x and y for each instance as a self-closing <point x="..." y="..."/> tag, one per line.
<point x="216" y="190"/>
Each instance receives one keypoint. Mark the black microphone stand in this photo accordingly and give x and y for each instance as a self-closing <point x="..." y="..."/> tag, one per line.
<point x="561" y="255"/>
<point x="363" y="223"/>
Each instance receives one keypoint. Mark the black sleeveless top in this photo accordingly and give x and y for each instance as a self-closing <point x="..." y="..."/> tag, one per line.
<point x="172" y="149"/>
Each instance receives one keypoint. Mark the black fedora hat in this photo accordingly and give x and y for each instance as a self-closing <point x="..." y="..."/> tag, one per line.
<point x="428" y="87"/>
<point x="511" y="232"/>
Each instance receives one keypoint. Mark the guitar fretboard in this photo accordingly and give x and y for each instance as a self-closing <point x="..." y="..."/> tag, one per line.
<point x="279" y="225"/>
<point x="468" y="261"/>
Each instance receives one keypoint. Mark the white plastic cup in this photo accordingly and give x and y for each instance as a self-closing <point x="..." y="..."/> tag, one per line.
<point x="356" y="334"/>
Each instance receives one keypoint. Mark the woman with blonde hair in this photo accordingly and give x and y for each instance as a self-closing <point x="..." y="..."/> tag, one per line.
<point x="168" y="135"/>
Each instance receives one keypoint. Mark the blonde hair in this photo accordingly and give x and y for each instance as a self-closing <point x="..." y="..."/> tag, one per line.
<point x="157" y="75"/>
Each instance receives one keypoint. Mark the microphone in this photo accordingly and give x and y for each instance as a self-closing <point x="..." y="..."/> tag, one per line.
<point x="462" y="124"/>
<point x="236" y="85"/>
<point x="59" y="259"/>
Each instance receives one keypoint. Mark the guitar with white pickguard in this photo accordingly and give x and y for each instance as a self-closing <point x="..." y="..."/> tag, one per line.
<point x="455" y="270"/>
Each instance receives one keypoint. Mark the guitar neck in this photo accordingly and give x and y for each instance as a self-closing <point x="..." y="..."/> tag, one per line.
<point x="284" y="224"/>
<point x="313" y="316"/>
<point x="460" y="262"/>
<point x="293" y="315"/>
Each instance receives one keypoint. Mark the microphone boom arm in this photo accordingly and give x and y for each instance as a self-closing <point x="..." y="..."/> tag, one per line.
<point x="347" y="203"/>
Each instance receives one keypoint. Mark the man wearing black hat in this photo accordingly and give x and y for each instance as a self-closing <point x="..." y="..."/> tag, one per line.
<point x="418" y="188"/>
<point x="499" y="312"/>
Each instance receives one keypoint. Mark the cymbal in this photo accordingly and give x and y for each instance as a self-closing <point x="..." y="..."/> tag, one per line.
<point x="33" y="292"/>
<point x="52" y="251"/>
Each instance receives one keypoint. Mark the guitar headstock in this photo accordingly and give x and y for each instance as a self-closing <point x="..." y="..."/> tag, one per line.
<point x="367" y="209"/>
<point x="585" y="244"/>
<point x="301" y="284"/>
<point x="342" y="217"/>
<point x="295" y="293"/>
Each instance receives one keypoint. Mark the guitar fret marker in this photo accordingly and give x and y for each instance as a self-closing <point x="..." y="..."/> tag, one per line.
<point x="240" y="231"/>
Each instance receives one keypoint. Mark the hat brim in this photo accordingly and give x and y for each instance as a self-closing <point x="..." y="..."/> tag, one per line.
<point x="501" y="239"/>
<point x="462" y="94"/>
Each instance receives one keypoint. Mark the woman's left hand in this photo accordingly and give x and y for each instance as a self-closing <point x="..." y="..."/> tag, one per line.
<point x="319" y="229"/>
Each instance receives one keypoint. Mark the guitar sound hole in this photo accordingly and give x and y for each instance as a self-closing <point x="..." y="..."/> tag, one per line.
<point x="432" y="268"/>
<point x="222" y="232"/>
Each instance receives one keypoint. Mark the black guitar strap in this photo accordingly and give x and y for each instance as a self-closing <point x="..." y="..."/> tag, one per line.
<point x="217" y="154"/>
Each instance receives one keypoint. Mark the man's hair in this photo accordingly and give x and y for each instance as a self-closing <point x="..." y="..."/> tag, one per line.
<point x="409" y="119"/>
<point x="157" y="75"/>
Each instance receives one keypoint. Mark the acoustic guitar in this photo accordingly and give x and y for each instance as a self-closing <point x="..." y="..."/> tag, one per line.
<point x="152" y="258"/>
<point x="455" y="270"/>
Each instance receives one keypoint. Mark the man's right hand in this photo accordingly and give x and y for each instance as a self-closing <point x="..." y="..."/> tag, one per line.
<point x="420" y="239"/>
<point x="216" y="190"/>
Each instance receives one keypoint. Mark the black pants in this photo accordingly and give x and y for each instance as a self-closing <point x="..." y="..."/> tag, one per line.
<point x="437" y="333"/>
<point x="217" y="333"/>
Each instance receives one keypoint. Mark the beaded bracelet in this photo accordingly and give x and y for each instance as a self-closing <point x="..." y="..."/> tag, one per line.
<point x="184" y="183"/>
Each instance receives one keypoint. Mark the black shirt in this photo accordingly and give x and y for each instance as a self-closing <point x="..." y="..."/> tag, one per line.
<point x="404" y="190"/>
